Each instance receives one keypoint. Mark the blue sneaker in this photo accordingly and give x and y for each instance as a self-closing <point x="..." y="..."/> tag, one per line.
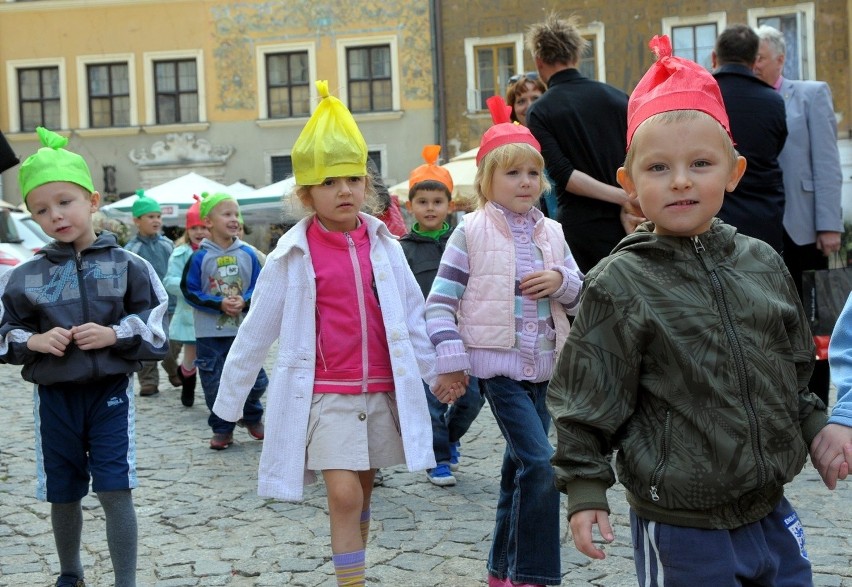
<point x="441" y="476"/>
<point x="454" y="455"/>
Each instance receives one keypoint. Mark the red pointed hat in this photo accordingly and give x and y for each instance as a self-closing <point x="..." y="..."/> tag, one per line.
<point x="504" y="130"/>
<point x="674" y="83"/>
<point x="193" y="215"/>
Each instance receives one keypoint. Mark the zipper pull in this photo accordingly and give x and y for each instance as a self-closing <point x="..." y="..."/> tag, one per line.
<point x="78" y="256"/>
<point x="349" y="239"/>
<point x="654" y="495"/>
<point x="696" y="242"/>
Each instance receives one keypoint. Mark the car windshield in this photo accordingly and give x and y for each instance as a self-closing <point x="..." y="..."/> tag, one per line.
<point x="8" y="232"/>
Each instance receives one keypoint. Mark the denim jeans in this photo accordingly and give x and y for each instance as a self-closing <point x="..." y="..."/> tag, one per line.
<point x="525" y="544"/>
<point x="450" y="422"/>
<point x="210" y="358"/>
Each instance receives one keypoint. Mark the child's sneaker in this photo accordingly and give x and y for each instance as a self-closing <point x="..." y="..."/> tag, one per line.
<point x="69" y="581"/>
<point x="221" y="440"/>
<point x="454" y="455"/>
<point x="441" y="476"/>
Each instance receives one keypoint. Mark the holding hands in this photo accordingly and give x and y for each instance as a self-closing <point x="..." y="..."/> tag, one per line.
<point x="831" y="453"/>
<point x="233" y="305"/>
<point x="450" y="386"/>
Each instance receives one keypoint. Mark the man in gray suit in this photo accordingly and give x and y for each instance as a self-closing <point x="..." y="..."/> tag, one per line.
<point x="810" y="160"/>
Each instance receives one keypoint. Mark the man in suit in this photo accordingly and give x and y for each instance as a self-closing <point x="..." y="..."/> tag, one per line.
<point x="581" y="125"/>
<point x="813" y="221"/>
<point x="759" y="129"/>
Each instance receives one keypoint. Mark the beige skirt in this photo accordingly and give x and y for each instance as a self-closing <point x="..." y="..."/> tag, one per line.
<point x="354" y="432"/>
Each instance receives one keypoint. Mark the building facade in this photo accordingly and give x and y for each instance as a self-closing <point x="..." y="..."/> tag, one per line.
<point x="148" y="90"/>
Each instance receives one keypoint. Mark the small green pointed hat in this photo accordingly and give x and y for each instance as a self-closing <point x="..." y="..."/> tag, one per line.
<point x="53" y="163"/>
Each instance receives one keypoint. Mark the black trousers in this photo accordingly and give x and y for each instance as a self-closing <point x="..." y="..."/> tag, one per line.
<point x="800" y="258"/>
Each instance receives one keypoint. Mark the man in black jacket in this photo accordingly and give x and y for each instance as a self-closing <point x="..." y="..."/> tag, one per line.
<point x="581" y="125"/>
<point x="759" y="127"/>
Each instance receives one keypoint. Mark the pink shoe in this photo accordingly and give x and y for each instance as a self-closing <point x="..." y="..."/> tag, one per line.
<point x="495" y="582"/>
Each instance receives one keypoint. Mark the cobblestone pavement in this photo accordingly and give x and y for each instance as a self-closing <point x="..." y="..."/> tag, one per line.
<point x="201" y="522"/>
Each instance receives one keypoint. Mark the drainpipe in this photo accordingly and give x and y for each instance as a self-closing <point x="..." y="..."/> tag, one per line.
<point x="438" y="75"/>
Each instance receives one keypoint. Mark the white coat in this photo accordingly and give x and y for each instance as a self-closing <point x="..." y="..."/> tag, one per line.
<point x="283" y="307"/>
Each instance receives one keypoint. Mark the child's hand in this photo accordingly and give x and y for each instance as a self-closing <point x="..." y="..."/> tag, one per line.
<point x="233" y="305"/>
<point x="450" y="386"/>
<point x="91" y="336"/>
<point x="831" y="453"/>
<point x="541" y="284"/>
<point x="581" y="530"/>
<point x="54" y="341"/>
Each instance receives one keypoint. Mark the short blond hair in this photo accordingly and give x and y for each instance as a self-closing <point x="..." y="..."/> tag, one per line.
<point x="680" y="116"/>
<point x="503" y="157"/>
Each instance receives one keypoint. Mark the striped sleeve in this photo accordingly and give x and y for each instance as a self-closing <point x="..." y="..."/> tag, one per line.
<point x="443" y="302"/>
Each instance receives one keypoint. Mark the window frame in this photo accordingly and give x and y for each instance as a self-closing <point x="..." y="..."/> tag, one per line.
<point x="805" y="15"/>
<point x="596" y="30"/>
<point x="149" y="60"/>
<point x="720" y="19"/>
<point x="343" y="71"/>
<point x="471" y="44"/>
<point x="83" y="97"/>
<point x="13" y="97"/>
<point x="262" y="53"/>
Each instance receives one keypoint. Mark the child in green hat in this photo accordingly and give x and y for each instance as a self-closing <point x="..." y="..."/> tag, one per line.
<point x="80" y="317"/>
<point x="150" y="244"/>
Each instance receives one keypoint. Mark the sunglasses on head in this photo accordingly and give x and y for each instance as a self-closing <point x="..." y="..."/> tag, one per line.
<point x="528" y="75"/>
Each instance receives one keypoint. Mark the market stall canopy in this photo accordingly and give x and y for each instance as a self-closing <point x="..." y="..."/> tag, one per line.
<point x="462" y="169"/>
<point x="175" y="197"/>
<point x="259" y="206"/>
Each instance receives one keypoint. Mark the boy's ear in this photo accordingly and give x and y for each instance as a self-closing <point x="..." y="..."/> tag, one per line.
<point x="736" y="174"/>
<point x="625" y="182"/>
<point x="408" y="205"/>
<point x="451" y="206"/>
<point x="95" y="201"/>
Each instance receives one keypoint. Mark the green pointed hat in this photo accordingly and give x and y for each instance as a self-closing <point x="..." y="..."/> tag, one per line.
<point x="53" y="163"/>
<point x="144" y="205"/>
<point x="210" y="201"/>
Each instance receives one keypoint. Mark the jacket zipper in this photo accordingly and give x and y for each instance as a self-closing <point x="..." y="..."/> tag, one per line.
<point x="657" y="476"/>
<point x="362" y="310"/>
<point x="739" y="361"/>
<point x="78" y="259"/>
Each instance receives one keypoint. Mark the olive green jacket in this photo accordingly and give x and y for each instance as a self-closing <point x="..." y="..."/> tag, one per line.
<point x="691" y="358"/>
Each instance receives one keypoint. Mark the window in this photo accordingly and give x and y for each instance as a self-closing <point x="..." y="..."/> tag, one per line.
<point x="797" y="25"/>
<point x="369" y="75"/>
<point x="694" y="38"/>
<point x="108" y="89"/>
<point x="490" y="63"/>
<point x="176" y="91"/>
<point x="592" y="60"/>
<point x="39" y="98"/>
<point x="282" y="167"/>
<point x="174" y="88"/>
<point x="288" y="90"/>
<point x="368" y="83"/>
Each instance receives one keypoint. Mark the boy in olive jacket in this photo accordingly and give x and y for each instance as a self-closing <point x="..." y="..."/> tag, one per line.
<point x="691" y="355"/>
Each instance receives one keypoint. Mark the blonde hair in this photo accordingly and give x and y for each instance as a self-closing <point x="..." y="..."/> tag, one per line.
<point x="371" y="206"/>
<point x="680" y="116"/>
<point x="557" y="40"/>
<point x="503" y="157"/>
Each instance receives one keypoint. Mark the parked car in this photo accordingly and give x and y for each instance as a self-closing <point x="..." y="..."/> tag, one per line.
<point x="32" y="236"/>
<point x="12" y="248"/>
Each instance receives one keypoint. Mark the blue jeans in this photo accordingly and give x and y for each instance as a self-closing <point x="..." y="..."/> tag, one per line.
<point x="210" y="358"/>
<point x="525" y="544"/>
<point x="450" y="422"/>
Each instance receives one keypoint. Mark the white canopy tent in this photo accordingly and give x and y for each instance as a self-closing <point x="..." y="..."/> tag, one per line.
<point x="259" y="206"/>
